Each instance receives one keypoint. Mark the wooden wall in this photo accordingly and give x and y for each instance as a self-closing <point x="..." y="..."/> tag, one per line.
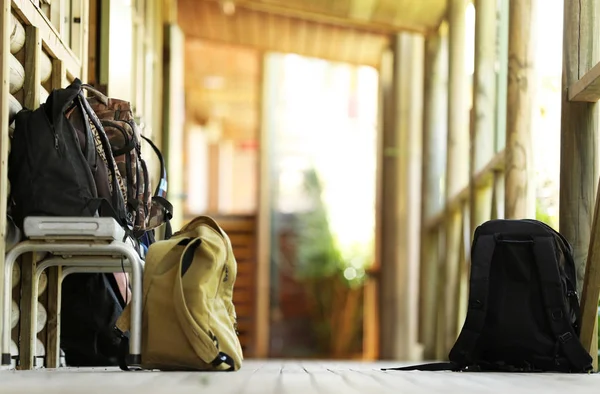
<point x="36" y="60"/>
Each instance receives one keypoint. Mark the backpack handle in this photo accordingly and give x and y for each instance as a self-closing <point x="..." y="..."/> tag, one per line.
<point x="101" y="96"/>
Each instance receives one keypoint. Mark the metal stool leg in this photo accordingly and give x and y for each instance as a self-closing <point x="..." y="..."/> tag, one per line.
<point x="137" y="267"/>
<point x="9" y="261"/>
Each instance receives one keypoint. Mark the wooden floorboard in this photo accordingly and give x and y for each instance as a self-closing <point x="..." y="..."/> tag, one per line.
<point x="290" y="377"/>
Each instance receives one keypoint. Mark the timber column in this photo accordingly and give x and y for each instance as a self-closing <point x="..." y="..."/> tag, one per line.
<point x="457" y="164"/>
<point x="520" y="185"/>
<point x="579" y="156"/>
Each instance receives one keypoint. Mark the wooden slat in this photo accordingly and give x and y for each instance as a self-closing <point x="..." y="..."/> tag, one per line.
<point x="587" y="88"/>
<point x="53" y="325"/>
<point x="245" y="266"/>
<point x="238" y="226"/>
<point x="28" y="323"/>
<point x="244" y="293"/>
<point x="244" y="309"/>
<point x="52" y="43"/>
<point x="245" y="283"/>
<point x="33" y="48"/>
<point x="242" y="240"/>
<point x="244" y="253"/>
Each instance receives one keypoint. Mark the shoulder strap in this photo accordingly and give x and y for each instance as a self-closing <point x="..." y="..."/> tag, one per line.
<point x="161" y="188"/>
<point x="198" y="339"/>
<point x="463" y="351"/>
<point x="118" y="199"/>
<point x="554" y="302"/>
<point x="449" y="366"/>
<point x="160" y="194"/>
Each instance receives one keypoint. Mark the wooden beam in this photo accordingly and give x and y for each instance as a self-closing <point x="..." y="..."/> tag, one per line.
<point x="520" y="188"/>
<point x="587" y="88"/>
<point x="5" y="16"/>
<point x="374" y="27"/>
<point x="579" y="167"/>
<point x="481" y="179"/>
<point x="51" y="39"/>
<point x="484" y="103"/>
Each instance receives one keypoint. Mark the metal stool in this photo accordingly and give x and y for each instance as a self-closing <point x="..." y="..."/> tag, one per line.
<point x="83" y="245"/>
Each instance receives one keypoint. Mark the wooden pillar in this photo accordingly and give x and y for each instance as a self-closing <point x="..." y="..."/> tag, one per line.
<point x="434" y="162"/>
<point x="4" y="138"/>
<point x="578" y="154"/>
<point x="484" y="103"/>
<point x="401" y="189"/>
<point x="457" y="166"/>
<point x="263" y="278"/>
<point x="520" y="186"/>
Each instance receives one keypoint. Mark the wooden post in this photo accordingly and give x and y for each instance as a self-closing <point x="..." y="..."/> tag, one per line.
<point x="434" y="162"/>
<point x="520" y="188"/>
<point x="484" y="94"/>
<point x="33" y="51"/>
<point x="54" y="273"/>
<point x="28" y="323"/>
<point x="400" y="203"/>
<point x="501" y="79"/>
<point x="263" y="231"/>
<point x="579" y="159"/>
<point x="457" y="167"/>
<point x="4" y="138"/>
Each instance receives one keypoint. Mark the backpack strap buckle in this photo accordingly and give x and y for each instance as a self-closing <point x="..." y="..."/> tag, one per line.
<point x="567" y="336"/>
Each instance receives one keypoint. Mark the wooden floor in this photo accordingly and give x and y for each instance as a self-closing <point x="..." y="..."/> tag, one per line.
<point x="288" y="377"/>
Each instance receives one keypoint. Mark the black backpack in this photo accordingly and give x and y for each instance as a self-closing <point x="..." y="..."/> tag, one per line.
<point x="523" y="313"/>
<point x="55" y="170"/>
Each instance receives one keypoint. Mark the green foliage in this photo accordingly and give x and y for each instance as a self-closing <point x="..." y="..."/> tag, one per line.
<point x="541" y="214"/>
<point x="319" y="255"/>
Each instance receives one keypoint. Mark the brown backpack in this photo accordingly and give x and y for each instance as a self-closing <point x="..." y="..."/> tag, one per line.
<point x="145" y="211"/>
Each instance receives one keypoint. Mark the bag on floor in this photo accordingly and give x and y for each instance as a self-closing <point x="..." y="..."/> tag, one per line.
<point x="189" y="320"/>
<point x="60" y="164"/>
<point x="523" y="313"/>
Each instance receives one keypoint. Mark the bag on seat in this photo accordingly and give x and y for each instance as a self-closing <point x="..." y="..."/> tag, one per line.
<point x="189" y="320"/>
<point x="146" y="210"/>
<point x="523" y="313"/>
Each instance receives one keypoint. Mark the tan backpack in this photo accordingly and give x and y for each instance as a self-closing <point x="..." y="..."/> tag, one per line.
<point x="189" y="320"/>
